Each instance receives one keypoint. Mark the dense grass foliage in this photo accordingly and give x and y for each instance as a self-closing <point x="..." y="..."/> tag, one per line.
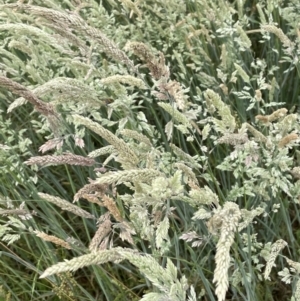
<point x="149" y="150"/>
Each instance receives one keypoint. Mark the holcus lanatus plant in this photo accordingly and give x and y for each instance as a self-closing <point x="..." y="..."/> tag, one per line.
<point x="149" y="150"/>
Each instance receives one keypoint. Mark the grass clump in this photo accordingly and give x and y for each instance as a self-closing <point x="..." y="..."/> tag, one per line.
<point x="149" y="150"/>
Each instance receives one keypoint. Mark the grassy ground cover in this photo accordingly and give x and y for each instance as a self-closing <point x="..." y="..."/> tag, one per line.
<point x="149" y="150"/>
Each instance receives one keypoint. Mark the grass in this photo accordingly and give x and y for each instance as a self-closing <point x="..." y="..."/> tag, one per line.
<point x="204" y="219"/>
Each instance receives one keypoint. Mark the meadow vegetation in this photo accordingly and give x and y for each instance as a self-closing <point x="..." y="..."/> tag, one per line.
<point x="149" y="150"/>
